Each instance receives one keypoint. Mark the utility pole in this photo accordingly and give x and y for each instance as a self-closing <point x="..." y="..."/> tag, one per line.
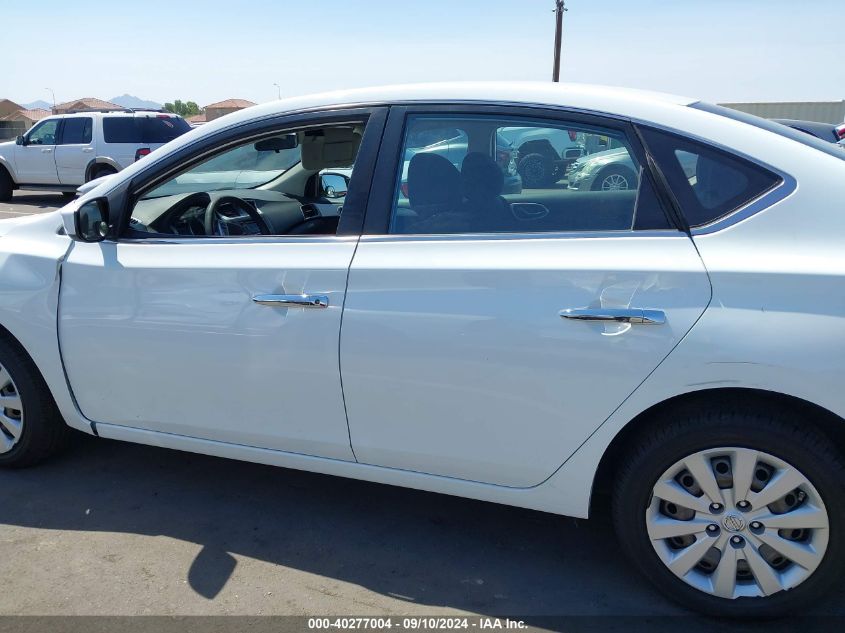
<point x="278" y="90"/>
<point x="560" y="7"/>
<point x="54" y="96"/>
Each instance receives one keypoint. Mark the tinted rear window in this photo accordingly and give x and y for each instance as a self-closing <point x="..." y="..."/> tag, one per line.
<point x="77" y="130"/>
<point x="708" y="183"/>
<point x="143" y="129"/>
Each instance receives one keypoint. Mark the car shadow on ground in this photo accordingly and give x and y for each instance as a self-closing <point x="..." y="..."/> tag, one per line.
<point x="420" y="547"/>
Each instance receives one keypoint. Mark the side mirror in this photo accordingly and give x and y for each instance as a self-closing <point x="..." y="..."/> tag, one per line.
<point x="92" y="220"/>
<point x="334" y="185"/>
<point x="20" y="140"/>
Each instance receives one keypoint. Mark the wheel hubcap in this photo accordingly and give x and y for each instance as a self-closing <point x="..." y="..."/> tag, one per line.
<point x="735" y="522"/>
<point x="614" y="182"/>
<point x="11" y="412"/>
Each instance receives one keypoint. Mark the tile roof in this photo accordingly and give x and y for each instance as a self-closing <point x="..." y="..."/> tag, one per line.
<point x="33" y="115"/>
<point x="231" y="103"/>
<point x="91" y="103"/>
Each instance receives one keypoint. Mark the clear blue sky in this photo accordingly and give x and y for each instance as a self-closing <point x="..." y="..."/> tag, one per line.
<point x="719" y="50"/>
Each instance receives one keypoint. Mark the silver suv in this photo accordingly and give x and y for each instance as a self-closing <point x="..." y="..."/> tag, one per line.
<point x="64" y="151"/>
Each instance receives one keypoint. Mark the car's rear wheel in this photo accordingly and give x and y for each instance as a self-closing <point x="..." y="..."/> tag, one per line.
<point x="6" y="185"/>
<point x="101" y="170"/>
<point x="536" y="171"/>
<point x="31" y="428"/>
<point x="734" y="513"/>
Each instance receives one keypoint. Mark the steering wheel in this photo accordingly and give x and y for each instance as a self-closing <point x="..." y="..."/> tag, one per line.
<point x="241" y="205"/>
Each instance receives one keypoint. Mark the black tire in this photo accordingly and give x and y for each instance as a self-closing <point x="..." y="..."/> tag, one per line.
<point x="615" y="174"/>
<point x="101" y="170"/>
<point x="536" y="171"/>
<point x="6" y="185"/>
<point x="683" y="433"/>
<point x="44" y="432"/>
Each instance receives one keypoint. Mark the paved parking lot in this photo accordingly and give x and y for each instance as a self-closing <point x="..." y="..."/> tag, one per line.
<point x="29" y="202"/>
<point x="114" y="528"/>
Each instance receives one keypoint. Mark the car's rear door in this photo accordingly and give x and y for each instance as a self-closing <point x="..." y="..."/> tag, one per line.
<point x="75" y="149"/>
<point x="486" y="339"/>
<point x="231" y="339"/>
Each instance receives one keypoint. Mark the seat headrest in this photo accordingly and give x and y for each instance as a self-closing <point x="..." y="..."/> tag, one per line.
<point x="329" y="147"/>
<point x="482" y="177"/>
<point x="434" y="184"/>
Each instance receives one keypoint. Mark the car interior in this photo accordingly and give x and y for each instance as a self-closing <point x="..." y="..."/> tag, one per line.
<point x="444" y="198"/>
<point x="269" y="186"/>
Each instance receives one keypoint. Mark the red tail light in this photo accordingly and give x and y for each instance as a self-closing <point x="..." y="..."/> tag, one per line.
<point x="840" y="131"/>
<point x="140" y="153"/>
<point x="404" y="188"/>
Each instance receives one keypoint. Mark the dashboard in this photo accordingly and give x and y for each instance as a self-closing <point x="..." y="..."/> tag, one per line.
<point x="227" y="213"/>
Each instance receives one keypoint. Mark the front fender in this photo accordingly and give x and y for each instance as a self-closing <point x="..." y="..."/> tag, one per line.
<point x="7" y="164"/>
<point x="31" y="251"/>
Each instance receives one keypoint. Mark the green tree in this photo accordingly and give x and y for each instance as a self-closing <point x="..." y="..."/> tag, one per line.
<point x="181" y="108"/>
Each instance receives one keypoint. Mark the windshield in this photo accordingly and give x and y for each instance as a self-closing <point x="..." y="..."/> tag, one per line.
<point x="243" y="167"/>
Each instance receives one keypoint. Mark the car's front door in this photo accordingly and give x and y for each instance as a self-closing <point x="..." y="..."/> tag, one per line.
<point x="35" y="161"/>
<point x="74" y="151"/>
<point x="485" y="339"/>
<point x="232" y="336"/>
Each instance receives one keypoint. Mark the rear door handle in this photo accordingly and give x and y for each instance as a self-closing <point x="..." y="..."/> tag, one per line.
<point x="296" y="301"/>
<point x="623" y="315"/>
<point x="88" y="150"/>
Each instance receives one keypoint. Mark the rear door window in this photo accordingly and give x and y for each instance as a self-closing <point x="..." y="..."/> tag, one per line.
<point x="708" y="183"/>
<point x="485" y="174"/>
<point x="77" y="130"/>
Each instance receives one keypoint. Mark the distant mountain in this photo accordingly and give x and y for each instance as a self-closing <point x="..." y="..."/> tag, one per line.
<point x="128" y="101"/>
<point x="35" y="105"/>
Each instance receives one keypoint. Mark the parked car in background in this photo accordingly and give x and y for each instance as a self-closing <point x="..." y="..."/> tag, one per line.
<point x="614" y="170"/>
<point x="62" y="152"/>
<point x="677" y="345"/>
<point x="544" y="154"/>
<point x="825" y="131"/>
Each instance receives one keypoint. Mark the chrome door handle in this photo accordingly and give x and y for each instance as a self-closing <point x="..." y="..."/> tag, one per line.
<point x="623" y="315"/>
<point x="297" y="301"/>
<point x="87" y="150"/>
<point x="46" y="150"/>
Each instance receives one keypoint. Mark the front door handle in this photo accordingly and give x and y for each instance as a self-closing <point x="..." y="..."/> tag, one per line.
<point x="623" y="315"/>
<point x="296" y="301"/>
<point x="46" y="150"/>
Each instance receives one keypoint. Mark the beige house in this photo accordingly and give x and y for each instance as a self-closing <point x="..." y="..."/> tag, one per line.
<point x="86" y="103"/>
<point x="216" y="110"/>
<point x="15" y="120"/>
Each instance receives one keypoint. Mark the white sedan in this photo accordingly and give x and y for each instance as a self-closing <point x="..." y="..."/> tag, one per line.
<point x="679" y="344"/>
